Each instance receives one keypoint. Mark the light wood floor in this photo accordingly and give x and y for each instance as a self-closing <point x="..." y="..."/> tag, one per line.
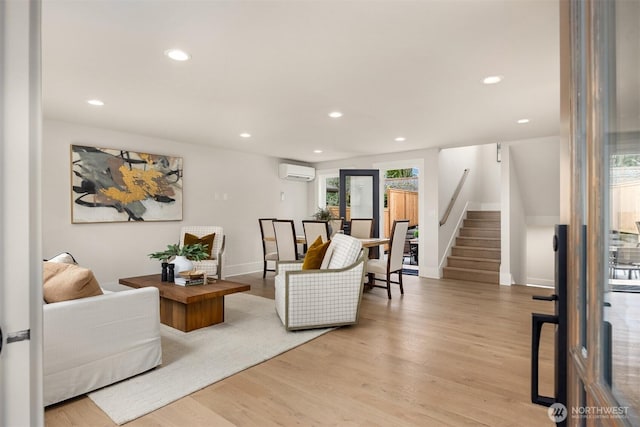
<point x="447" y="353"/>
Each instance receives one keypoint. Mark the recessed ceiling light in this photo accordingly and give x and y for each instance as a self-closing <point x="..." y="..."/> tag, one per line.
<point x="245" y="135"/>
<point x="335" y="114"/>
<point x="523" y="121"/>
<point x="95" y="102"/>
<point x="400" y="139"/>
<point x="491" y="80"/>
<point x="177" y="54"/>
<point x="317" y="151"/>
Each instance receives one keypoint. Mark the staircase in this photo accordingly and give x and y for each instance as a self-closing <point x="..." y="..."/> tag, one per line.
<point x="476" y="254"/>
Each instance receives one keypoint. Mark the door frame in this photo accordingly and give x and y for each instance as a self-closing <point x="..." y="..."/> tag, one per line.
<point x="586" y="29"/>
<point x="21" y="374"/>
<point x="375" y="174"/>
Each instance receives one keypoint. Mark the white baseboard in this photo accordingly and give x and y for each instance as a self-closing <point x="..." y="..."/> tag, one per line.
<point x="506" y="279"/>
<point x="541" y="282"/>
<point x="430" y="272"/>
<point x="239" y="269"/>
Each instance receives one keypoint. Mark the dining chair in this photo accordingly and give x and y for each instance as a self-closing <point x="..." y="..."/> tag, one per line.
<point x="393" y="263"/>
<point x="285" y="234"/>
<point x="269" y="247"/>
<point x="336" y="226"/>
<point x="362" y="228"/>
<point x="315" y="228"/>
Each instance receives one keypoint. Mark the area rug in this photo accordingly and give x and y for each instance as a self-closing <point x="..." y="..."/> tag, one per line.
<point x="251" y="333"/>
<point x="410" y="271"/>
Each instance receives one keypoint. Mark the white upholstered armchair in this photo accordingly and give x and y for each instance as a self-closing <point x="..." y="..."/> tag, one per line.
<point x="329" y="296"/>
<point x="214" y="266"/>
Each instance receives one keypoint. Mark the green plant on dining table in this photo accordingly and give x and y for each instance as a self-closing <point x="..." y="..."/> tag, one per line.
<point x="323" y="214"/>
<point x="195" y="252"/>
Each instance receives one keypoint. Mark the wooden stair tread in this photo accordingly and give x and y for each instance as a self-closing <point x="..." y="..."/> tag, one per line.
<point x="481" y="228"/>
<point x="466" y="258"/>
<point x="471" y="275"/>
<point x="471" y="270"/>
<point x="483" y="214"/>
<point x="493" y="239"/>
<point x="476" y="248"/>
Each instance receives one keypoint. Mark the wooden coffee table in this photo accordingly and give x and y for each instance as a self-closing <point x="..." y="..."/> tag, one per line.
<point x="188" y="307"/>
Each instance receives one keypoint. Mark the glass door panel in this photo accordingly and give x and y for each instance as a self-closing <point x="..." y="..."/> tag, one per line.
<point x="360" y="195"/>
<point x="328" y="193"/>
<point x="621" y="326"/>
<point x="604" y="285"/>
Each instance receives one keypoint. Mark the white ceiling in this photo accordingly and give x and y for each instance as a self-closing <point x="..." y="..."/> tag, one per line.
<point x="275" y="69"/>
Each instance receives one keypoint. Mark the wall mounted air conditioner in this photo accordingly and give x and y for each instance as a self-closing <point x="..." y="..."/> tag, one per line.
<point x="297" y="172"/>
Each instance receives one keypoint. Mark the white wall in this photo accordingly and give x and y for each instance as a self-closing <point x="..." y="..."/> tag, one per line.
<point x="221" y="187"/>
<point x="538" y="173"/>
<point x="489" y="185"/>
<point x="451" y="165"/>
<point x="530" y="198"/>
<point x="540" y="255"/>
<point x="517" y="227"/>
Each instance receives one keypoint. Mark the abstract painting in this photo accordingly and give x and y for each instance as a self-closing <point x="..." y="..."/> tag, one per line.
<point x="109" y="185"/>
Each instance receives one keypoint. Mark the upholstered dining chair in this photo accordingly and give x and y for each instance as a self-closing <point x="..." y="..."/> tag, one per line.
<point x="393" y="263"/>
<point x="285" y="234"/>
<point x="269" y="247"/>
<point x="214" y="265"/>
<point x="315" y="228"/>
<point x="362" y="228"/>
<point x="336" y="226"/>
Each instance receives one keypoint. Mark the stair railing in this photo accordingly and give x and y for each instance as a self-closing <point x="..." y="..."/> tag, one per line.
<point x="454" y="197"/>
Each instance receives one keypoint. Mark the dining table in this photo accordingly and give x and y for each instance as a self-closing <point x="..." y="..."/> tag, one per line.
<point x="374" y="241"/>
<point x="366" y="243"/>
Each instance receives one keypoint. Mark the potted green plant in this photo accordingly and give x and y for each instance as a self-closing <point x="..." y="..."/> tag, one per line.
<point x="195" y="252"/>
<point x="323" y="214"/>
<point x="182" y="257"/>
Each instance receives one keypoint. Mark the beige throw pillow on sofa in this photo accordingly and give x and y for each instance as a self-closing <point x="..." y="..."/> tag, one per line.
<point x="62" y="282"/>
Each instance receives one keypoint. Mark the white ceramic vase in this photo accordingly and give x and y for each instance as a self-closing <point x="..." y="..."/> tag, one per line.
<point x="181" y="263"/>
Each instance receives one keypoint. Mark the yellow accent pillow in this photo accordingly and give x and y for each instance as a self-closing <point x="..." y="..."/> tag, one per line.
<point x="190" y="239"/>
<point x="62" y="282"/>
<point x="315" y="254"/>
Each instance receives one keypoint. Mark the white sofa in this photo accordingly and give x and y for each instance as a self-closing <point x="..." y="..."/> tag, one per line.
<point x="93" y="342"/>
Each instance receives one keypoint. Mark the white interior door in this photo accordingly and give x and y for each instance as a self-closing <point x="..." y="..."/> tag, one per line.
<point x="20" y="248"/>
